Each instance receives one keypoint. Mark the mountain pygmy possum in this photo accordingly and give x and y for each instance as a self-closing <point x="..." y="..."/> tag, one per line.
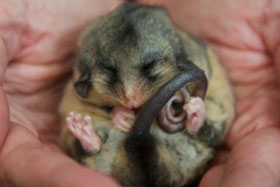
<point x="147" y="104"/>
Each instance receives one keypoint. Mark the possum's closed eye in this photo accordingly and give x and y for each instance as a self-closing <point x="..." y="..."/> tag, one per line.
<point x="147" y="70"/>
<point x="152" y="65"/>
<point x="110" y="72"/>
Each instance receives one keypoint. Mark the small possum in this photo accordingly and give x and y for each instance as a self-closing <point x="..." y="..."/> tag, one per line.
<point x="135" y="62"/>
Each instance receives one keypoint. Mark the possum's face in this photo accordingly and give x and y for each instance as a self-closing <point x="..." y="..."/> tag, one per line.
<point x="126" y="56"/>
<point x="126" y="76"/>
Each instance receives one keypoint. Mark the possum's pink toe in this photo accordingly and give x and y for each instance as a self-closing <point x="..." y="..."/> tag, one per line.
<point x="195" y="109"/>
<point x="123" y="118"/>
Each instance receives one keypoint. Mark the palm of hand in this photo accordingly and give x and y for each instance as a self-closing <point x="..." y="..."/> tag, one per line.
<point x="250" y="56"/>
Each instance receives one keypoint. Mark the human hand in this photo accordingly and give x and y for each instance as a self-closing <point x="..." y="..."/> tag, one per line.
<point x="245" y="34"/>
<point x="37" y="39"/>
<point x="238" y="30"/>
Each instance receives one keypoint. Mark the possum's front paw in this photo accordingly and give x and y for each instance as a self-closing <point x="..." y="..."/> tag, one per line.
<point x="195" y="110"/>
<point x="123" y="118"/>
<point x="83" y="130"/>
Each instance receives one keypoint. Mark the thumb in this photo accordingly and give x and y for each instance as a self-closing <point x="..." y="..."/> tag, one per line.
<point x="31" y="164"/>
<point x="4" y="117"/>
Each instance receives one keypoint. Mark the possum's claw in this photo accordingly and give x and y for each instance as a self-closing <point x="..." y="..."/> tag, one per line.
<point x="123" y="118"/>
<point x="83" y="129"/>
<point x="195" y="110"/>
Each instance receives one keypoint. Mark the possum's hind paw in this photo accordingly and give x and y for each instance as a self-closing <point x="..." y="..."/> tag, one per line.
<point x="123" y="118"/>
<point x="195" y="109"/>
<point x="83" y="130"/>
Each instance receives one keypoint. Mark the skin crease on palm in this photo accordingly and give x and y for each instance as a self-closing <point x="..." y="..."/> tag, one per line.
<point x="36" y="42"/>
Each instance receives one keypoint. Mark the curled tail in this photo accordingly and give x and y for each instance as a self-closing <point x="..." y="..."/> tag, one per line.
<point x="140" y="145"/>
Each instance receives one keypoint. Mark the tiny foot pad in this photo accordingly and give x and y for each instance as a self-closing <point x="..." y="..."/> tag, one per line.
<point x="83" y="130"/>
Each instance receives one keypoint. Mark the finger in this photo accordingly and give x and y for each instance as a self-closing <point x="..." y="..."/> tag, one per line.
<point x="252" y="162"/>
<point x="213" y="177"/>
<point x="32" y="165"/>
<point x="122" y="126"/>
<point x="4" y="117"/>
<point x="4" y="111"/>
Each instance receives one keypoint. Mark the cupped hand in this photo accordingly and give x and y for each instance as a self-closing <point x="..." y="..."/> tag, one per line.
<point x="37" y="39"/>
<point x="36" y="43"/>
<point x="245" y="34"/>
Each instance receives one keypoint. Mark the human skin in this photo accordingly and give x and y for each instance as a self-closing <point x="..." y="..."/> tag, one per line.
<point x="37" y="39"/>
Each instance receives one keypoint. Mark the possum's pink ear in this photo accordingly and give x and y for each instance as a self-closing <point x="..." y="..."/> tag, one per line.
<point x="83" y="85"/>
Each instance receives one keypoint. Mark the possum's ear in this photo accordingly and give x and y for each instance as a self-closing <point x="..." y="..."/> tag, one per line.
<point x="83" y="85"/>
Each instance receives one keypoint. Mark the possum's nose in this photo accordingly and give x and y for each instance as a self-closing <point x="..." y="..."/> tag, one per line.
<point x="133" y="100"/>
